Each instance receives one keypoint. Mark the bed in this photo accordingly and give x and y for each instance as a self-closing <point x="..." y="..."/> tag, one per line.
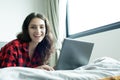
<point x="100" y="69"/>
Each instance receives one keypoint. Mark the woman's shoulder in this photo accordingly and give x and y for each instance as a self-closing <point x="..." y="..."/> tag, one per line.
<point x="14" y="43"/>
<point x="9" y="45"/>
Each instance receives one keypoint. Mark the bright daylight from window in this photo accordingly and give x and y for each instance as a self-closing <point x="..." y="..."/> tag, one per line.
<point x="88" y="14"/>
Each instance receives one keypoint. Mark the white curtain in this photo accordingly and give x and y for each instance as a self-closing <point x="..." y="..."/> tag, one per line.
<point x="52" y="12"/>
<point x="56" y="13"/>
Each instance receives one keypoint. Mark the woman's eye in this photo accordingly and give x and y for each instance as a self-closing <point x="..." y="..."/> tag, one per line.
<point x="33" y="27"/>
<point x="42" y="26"/>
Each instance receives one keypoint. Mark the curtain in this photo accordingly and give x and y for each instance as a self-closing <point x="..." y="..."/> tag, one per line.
<point x="52" y="13"/>
<point x="56" y="12"/>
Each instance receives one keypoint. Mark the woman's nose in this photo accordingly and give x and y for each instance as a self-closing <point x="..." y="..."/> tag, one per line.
<point x="38" y="30"/>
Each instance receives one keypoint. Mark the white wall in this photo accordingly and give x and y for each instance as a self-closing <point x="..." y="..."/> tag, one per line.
<point x="13" y="13"/>
<point x="105" y="44"/>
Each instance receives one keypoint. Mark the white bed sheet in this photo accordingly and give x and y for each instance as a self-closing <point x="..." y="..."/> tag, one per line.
<point x="100" y="68"/>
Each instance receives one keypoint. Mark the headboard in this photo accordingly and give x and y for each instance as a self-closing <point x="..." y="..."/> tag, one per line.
<point x="2" y="44"/>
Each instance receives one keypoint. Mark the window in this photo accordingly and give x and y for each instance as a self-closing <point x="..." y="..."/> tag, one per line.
<point x="83" y="15"/>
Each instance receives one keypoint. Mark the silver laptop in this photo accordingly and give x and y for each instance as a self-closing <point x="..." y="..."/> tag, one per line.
<point x="74" y="54"/>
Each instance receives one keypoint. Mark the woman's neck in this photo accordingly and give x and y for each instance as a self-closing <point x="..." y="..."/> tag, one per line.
<point x="32" y="46"/>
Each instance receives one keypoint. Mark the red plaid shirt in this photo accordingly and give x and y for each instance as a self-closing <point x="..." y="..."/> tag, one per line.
<point x="16" y="54"/>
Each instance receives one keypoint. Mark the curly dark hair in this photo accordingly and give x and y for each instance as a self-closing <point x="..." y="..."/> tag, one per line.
<point x="46" y="46"/>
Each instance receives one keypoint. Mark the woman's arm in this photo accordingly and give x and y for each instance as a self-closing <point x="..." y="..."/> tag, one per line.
<point x="8" y="57"/>
<point x="45" y="67"/>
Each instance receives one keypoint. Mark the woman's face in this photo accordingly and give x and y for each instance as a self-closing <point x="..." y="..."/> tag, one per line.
<point x="37" y="30"/>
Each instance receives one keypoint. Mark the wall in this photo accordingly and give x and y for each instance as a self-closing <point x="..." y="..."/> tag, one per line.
<point x="105" y="44"/>
<point x="12" y="14"/>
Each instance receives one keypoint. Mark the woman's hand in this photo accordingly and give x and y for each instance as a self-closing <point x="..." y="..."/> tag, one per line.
<point x="45" y="67"/>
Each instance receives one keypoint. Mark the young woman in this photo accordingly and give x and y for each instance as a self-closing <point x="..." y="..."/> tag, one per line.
<point x="33" y="45"/>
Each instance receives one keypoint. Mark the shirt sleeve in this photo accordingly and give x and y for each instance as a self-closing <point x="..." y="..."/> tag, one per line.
<point x="8" y="58"/>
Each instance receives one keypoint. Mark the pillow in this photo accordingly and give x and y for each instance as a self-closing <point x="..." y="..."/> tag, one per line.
<point x="2" y="44"/>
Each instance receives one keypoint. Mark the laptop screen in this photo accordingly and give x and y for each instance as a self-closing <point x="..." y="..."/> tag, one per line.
<point x="74" y="54"/>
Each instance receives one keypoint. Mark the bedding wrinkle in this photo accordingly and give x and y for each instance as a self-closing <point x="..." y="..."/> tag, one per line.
<point x="96" y="70"/>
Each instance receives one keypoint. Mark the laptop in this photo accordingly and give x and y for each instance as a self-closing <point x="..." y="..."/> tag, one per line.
<point x="74" y="54"/>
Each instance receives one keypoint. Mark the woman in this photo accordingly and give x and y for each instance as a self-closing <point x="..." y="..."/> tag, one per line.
<point x="33" y="45"/>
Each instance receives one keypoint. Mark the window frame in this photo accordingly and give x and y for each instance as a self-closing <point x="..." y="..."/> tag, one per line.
<point x="108" y="27"/>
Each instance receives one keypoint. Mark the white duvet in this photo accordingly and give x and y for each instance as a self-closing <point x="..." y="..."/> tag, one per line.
<point x="100" y="68"/>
